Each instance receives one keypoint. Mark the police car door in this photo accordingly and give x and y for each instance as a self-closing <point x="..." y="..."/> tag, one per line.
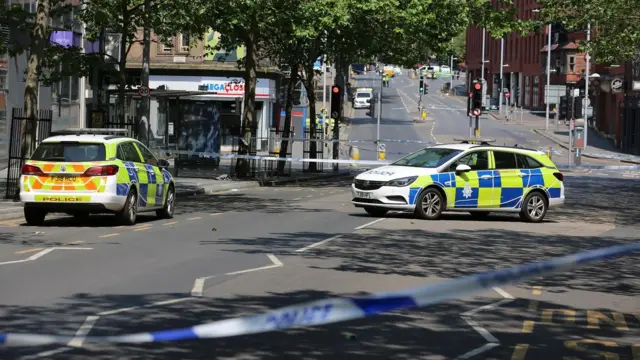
<point x="153" y="192"/>
<point x="510" y="190"/>
<point x="130" y="156"/>
<point x="474" y="189"/>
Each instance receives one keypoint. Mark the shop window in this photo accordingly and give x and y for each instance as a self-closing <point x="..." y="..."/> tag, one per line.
<point x="536" y="91"/>
<point x="3" y="81"/>
<point x="527" y="92"/>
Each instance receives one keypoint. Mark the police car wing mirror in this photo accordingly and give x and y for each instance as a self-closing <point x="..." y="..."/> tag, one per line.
<point x="163" y="163"/>
<point x="462" y="168"/>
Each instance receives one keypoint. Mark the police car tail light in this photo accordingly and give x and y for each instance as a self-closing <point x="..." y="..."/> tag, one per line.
<point x="106" y="170"/>
<point x="31" y="170"/>
<point x="559" y="176"/>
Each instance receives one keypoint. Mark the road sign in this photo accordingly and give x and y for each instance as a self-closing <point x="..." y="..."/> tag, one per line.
<point x="144" y="91"/>
<point x="477" y="112"/>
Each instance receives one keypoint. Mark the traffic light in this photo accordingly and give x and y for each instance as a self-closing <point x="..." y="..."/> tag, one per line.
<point x="476" y="103"/>
<point x="421" y="88"/>
<point x="336" y="98"/>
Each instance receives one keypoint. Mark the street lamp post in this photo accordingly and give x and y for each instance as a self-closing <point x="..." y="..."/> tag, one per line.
<point x="451" y="70"/>
<point x="484" y="35"/>
<point x="324" y="97"/>
<point x="546" y="93"/>
<point x="586" y="88"/>
<point x="501" y="90"/>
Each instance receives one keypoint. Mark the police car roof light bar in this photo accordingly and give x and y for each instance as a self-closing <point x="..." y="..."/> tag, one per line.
<point x="90" y="131"/>
<point x="474" y="141"/>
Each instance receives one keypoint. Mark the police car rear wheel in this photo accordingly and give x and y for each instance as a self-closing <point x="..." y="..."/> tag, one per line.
<point x="534" y="207"/>
<point x="377" y="212"/>
<point x="128" y="214"/>
<point x="430" y="204"/>
<point x="167" y="211"/>
<point x="34" y="217"/>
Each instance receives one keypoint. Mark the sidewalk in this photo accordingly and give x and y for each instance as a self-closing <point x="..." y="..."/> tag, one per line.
<point x="598" y="147"/>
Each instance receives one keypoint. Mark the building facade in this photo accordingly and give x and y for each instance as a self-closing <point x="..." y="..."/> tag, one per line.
<point x="524" y="61"/>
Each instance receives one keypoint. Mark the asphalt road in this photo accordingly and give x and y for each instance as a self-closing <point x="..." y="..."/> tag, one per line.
<point x="241" y="252"/>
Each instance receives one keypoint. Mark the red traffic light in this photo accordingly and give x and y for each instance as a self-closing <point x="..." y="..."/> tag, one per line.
<point x="336" y="89"/>
<point x="477" y="112"/>
<point x="477" y="86"/>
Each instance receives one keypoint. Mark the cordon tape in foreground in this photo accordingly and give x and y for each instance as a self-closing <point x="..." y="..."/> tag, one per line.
<point x="341" y="309"/>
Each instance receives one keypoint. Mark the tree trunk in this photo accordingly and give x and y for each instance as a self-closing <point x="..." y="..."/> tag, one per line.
<point x="311" y="95"/>
<point x="284" y="145"/>
<point x="122" y="80"/>
<point x="248" y="115"/>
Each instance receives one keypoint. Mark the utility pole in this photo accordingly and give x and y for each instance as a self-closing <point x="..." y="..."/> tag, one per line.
<point x="324" y="97"/>
<point x="501" y="76"/>
<point x="146" y="54"/>
<point x="586" y="89"/>
<point x="484" y="41"/>
<point x="546" y="93"/>
<point x="379" y="111"/>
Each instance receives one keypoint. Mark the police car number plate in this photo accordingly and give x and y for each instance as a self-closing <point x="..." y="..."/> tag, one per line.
<point x="363" y="195"/>
<point x="64" y="178"/>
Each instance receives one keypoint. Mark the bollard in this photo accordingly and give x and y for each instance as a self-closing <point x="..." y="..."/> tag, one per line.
<point x="354" y="154"/>
<point x="423" y="113"/>
<point x="549" y="151"/>
<point x="382" y="151"/>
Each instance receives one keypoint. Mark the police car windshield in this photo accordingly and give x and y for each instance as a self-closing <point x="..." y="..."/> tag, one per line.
<point x="69" y="152"/>
<point x="428" y="158"/>
<point x="363" y="95"/>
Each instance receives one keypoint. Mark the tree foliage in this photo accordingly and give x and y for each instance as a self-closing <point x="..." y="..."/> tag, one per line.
<point x="615" y="25"/>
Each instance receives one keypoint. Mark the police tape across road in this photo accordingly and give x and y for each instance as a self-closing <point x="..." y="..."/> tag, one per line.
<point x="334" y="310"/>
<point x="171" y="153"/>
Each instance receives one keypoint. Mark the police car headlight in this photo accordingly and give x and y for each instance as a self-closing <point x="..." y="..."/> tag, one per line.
<point x="406" y="181"/>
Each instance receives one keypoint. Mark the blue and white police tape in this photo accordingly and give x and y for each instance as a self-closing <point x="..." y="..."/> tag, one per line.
<point x="341" y="309"/>
<point x="170" y="153"/>
<point x="356" y="141"/>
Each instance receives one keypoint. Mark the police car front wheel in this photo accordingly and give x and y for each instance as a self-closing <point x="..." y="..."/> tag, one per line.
<point x="430" y="204"/>
<point x="534" y="207"/>
<point x="167" y="211"/>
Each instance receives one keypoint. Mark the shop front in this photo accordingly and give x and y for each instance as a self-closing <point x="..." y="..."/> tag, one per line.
<point x="211" y="120"/>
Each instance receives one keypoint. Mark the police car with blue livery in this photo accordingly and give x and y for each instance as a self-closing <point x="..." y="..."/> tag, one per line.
<point x="478" y="178"/>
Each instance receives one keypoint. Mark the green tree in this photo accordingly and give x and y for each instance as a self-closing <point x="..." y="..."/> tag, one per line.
<point x="615" y="25"/>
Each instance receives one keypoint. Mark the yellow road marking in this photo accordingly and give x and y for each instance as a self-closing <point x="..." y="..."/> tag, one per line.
<point x="520" y="351"/>
<point x="75" y="242"/>
<point x="216" y="214"/>
<point x="28" y="251"/>
<point x="527" y="326"/>
<point x="170" y="223"/>
<point x="537" y="290"/>
<point x="143" y="228"/>
<point x="109" y="235"/>
<point x="195" y="218"/>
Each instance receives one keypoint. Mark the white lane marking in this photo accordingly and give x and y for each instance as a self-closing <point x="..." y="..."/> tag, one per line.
<point x="46" y="353"/>
<point x="198" y="285"/>
<point x="318" y="243"/>
<point x="157" y="303"/>
<point x="369" y="223"/>
<point x="296" y="199"/>
<point x="41" y="254"/>
<point x="492" y="341"/>
<point x="82" y="333"/>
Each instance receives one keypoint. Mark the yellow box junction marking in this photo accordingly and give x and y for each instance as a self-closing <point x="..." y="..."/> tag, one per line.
<point x="28" y="250"/>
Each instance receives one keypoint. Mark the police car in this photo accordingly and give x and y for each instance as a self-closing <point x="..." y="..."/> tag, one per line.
<point x="478" y="178"/>
<point x="362" y="98"/>
<point x="84" y="171"/>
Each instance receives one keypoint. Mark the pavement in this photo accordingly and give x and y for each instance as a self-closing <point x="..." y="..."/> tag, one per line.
<point x="233" y="253"/>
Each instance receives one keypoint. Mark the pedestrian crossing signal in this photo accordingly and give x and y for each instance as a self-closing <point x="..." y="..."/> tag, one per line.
<point x="336" y="97"/>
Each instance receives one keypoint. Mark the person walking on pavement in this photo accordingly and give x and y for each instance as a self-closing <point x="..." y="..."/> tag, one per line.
<point x="458" y="75"/>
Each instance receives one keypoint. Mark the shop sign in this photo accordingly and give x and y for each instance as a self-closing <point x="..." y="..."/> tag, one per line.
<point x="617" y="85"/>
<point x="234" y="86"/>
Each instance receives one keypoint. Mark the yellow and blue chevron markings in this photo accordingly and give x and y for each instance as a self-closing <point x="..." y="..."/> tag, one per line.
<point x="488" y="188"/>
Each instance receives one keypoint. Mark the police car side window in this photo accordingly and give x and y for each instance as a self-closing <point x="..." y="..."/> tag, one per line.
<point x="478" y="160"/>
<point x="505" y="160"/>
<point x="128" y="152"/>
<point x="147" y="155"/>
<point x="527" y="162"/>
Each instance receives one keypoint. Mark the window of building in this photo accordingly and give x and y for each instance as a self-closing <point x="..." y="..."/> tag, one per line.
<point x="184" y="42"/>
<point x="571" y="62"/>
<point x="527" y="92"/>
<point x="165" y="46"/>
<point x="3" y="80"/>
<point x="536" y="91"/>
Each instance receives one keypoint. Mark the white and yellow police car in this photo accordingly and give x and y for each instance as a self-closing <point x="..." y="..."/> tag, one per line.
<point x="478" y="178"/>
<point x="363" y="97"/>
<point x="85" y="171"/>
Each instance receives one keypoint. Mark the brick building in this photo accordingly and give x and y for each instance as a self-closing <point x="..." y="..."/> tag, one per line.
<point x="525" y="60"/>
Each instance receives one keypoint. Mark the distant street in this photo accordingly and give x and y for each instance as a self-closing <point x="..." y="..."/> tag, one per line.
<point x="241" y="252"/>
